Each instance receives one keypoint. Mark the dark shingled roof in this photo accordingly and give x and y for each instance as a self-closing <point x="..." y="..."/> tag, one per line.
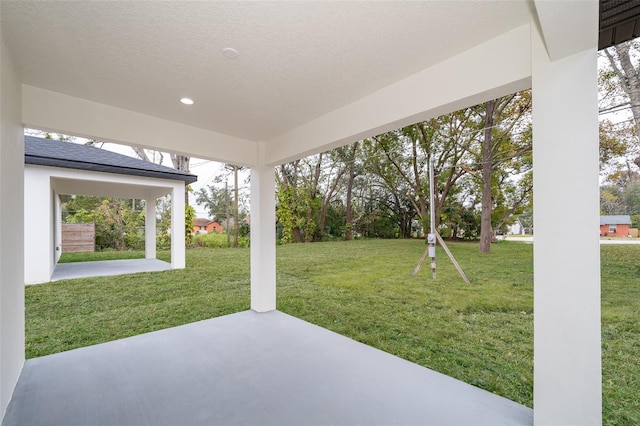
<point x="53" y="153"/>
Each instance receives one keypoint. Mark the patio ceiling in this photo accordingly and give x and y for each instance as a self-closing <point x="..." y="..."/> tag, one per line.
<point x="297" y="61"/>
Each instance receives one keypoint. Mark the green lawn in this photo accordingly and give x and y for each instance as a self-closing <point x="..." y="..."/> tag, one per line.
<point x="481" y="334"/>
<point x="104" y="255"/>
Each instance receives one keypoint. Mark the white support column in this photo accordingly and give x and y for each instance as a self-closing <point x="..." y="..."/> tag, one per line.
<point x="177" y="227"/>
<point x="11" y="228"/>
<point x="38" y="231"/>
<point x="263" y="237"/>
<point x="567" y="351"/>
<point x="57" y="226"/>
<point x="150" y="228"/>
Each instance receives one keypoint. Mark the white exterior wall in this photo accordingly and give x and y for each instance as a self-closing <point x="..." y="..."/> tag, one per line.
<point x="263" y="237"/>
<point x="567" y="351"/>
<point x="11" y="225"/>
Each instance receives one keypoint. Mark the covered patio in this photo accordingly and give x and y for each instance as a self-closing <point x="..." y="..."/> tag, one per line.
<point x="272" y="82"/>
<point x="107" y="268"/>
<point x="242" y="369"/>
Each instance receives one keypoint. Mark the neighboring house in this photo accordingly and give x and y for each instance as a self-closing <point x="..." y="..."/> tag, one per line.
<point x="516" y="228"/>
<point x="615" y="226"/>
<point x="204" y="226"/>
<point x="53" y="168"/>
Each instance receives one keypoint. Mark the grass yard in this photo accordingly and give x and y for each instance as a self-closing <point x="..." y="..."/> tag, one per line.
<point x="107" y="255"/>
<point x="481" y="334"/>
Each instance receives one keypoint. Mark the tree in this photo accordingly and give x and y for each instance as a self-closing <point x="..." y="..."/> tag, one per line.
<point x="407" y="151"/>
<point x="619" y="90"/>
<point x="119" y="223"/>
<point x="296" y="203"/>
<point x="214" y="200"/>
<point x="614" y="141"/>
<point x="348" y="156"/>
<point x="623" y="59"/>
<point x="505" y="151"/>
<point x="179" y="162"/>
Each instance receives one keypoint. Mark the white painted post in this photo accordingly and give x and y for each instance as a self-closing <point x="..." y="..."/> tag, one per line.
<point x="57" y="226"/>
<point x="567" y="351"/>
<point x="431" y="238"/>
<point x="177" y="227"/>
<point x="38" y="231"/>
<point x="11" y="228"/>
<point x="263" y="237"/>
<point x="150" y="228"/>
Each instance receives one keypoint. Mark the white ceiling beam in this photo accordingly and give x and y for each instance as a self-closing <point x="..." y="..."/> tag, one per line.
<point x="495" y="68"/>
<point x="56" y="112"/>
<point x="567" y="26"/>
<point x="97" y="184"/>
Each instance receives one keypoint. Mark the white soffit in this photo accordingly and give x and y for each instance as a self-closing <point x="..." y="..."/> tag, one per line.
<point x="121" y="187"/>
<point x="296" y="60"/>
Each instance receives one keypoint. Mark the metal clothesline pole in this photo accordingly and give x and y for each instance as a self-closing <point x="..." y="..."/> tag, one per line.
<point x="433" y="236"/>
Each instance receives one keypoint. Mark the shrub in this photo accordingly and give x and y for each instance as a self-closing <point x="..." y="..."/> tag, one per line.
<point x="217" y="240"/>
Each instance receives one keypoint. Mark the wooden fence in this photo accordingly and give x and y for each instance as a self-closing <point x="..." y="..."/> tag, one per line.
<point x="78" y="237"/>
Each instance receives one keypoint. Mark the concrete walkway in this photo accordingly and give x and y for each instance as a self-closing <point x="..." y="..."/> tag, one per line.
<point x="246" y="369"/>
<point x="66" y="271"/>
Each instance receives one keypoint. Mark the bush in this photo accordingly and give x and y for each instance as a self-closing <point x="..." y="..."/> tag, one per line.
<point x="217" y="240"/>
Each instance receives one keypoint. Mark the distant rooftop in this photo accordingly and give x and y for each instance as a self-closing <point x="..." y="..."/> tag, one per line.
<point x="54" y="153"/>
<point x="615" y="220"/>
<point x="200" y="221"/>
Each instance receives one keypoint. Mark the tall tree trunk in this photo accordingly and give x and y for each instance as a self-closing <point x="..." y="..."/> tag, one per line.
<point x="348" y="233"/>
<point x="486" y="233"/>
<point x="629" y="78"/>
<point x="314" y="191"/>
<point x="226" y="196"/>
<point x="297" y="235"/>
<point x="235" y="207"/>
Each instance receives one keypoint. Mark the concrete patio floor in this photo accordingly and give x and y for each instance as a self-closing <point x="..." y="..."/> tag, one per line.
<point x="103" y="268"/>
<point x="242" y="369"/>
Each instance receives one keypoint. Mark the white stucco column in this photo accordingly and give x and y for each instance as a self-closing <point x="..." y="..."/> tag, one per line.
<point x="177" y="227"/>
<point x="150" y="228"/>
<point x="11" y="228"/>
<point x="39" y="231"/>
<point x="567" y="351"/>
<point x="57" y="226"/>
<point x="263" y="237"/>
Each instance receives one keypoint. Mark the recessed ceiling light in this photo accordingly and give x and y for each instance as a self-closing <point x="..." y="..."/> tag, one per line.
<point x="230" y="52"/>
<point x="187" y="101"/>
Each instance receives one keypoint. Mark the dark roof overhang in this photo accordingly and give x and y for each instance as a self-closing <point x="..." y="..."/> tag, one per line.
<point x="52" y="153"/>
<point x="619" y="22"/>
